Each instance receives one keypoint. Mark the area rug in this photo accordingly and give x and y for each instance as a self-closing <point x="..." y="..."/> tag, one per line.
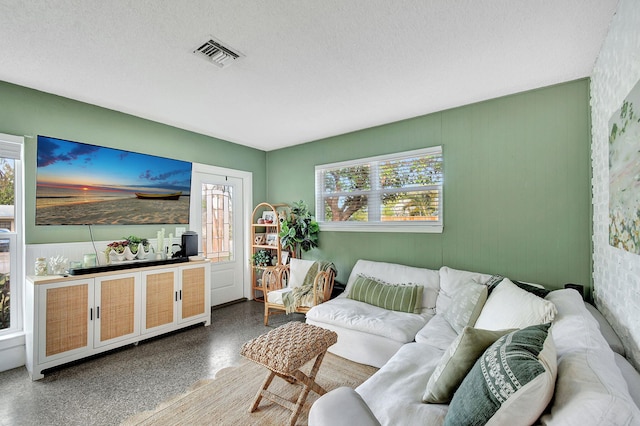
<point x="225" y="400"/>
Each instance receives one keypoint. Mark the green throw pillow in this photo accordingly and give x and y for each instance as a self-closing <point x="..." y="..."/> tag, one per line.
<point x="457" y="361"/>
<point x="511" y="383"/>
<point x="395" y="297"/>
<point x="466" y="306"/>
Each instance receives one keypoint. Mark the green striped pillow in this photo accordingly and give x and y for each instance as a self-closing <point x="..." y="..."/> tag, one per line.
<point x="395" y="297"/>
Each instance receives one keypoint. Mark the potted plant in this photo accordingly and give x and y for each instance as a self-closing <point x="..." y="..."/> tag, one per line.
<point x="299" y="233"/>
<point x="261" y="258"/>
<point x="134" y="243"/>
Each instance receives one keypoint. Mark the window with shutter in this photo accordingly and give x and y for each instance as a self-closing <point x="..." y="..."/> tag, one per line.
<point x="392" y="193"/>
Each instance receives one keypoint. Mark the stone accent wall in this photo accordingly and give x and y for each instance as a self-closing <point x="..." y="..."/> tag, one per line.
<point x="616" y="276"/>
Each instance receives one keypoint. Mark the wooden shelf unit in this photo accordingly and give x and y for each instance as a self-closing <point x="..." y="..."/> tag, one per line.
<point x="274" y="249"/>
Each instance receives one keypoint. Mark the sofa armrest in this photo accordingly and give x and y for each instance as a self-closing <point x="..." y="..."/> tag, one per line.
<point x="341" y="407"/>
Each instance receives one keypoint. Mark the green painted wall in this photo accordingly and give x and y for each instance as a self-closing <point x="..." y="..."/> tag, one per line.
<point x="29" y="112"/>
<point x="517" y="191"/>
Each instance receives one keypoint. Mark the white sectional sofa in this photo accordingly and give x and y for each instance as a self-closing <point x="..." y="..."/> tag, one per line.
<point x="583" y="381"/>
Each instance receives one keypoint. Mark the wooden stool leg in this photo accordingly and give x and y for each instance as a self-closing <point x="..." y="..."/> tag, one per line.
<point x="265" y="385"/>
<point x="308" y="384"/>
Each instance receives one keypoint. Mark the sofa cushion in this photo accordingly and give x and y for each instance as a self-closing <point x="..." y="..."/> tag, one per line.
<point x="590" y="387"/>
<point x="461" y="355"/>
<point x="399" y="274"/>
<point x="467" y="305"/>
<point x="437" y="332"/>
<point x="511" y="383"/>
<point x="511" y="307"/>
<point x="453" y="280"/>
<point x="607" y="331"/>
<point x="398" y="297"/>
<point x="394" y="393"/>
<point x="344" y="312"/>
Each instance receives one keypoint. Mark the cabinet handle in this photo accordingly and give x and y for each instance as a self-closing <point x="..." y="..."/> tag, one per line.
<point x="176" y="296"/>
<point x="180" y="294"/>
<point x="90" y="314"/>
<point x="98" y="312"/>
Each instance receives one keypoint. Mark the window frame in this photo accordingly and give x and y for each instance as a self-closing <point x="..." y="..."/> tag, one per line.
<point x="13" y="147"/>
<point x="378" y="226"/>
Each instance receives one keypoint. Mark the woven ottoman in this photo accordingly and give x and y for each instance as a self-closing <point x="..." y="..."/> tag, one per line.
<point x="283" y="351"/>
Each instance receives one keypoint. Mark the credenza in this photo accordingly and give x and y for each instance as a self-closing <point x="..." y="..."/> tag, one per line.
<point x="72" y="317"/>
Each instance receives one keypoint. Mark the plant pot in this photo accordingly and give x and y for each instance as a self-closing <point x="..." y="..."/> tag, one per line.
<point x="128" y="254"/>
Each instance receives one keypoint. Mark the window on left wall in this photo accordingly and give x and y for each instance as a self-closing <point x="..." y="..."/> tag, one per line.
<point x="11" y="198"/>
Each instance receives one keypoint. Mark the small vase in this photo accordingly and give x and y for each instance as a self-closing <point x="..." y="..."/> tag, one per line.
<point x="128" y="254"/>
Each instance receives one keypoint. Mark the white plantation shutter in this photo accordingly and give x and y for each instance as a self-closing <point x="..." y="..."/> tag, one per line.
<point x="386" y="193"/>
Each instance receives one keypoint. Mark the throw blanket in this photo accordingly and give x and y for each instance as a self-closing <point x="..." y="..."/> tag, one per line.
<point x="303" y="295"/>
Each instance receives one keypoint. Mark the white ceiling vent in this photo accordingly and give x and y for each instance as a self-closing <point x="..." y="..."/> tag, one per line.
<point x="220" y="55"/>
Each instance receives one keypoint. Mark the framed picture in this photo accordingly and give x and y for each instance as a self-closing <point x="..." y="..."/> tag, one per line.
<point x="268" y="217"/>
<point x="272" y="239"/>
<point x="285" y="257"/>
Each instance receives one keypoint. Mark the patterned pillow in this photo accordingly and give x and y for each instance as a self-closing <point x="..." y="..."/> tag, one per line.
<point x="511" y="383"/>
<point x="466" y="306"/>
<point x="395" y="297"/>
<point x="457" y="361"/>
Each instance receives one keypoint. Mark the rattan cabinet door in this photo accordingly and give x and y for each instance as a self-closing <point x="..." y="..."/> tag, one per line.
<point x="192" y="297"/>
<point x="117" y="308"/>
<point x="160" y="296"/>
<point x="64" y="325"/>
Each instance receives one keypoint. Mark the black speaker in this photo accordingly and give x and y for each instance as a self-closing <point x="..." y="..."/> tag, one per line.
<point x="189" y="244"/>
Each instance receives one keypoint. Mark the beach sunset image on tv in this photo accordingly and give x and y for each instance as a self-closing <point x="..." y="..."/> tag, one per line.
<point x="82" y="184"/>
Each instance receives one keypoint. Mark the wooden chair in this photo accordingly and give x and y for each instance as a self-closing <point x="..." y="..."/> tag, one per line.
<point x="277" y="280"/>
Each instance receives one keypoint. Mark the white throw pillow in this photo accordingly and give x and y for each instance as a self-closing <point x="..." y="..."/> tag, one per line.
<point x="453" y="280"/>
<point x="466" y="306"/>
<point x="298" y="271"/>
<point x="509" y="306"/>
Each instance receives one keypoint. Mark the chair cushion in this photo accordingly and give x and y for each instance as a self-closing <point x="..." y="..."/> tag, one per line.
<point x="298" y="271"/>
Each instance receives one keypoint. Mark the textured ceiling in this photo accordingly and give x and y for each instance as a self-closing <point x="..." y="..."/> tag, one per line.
<point x="312" y="69"/>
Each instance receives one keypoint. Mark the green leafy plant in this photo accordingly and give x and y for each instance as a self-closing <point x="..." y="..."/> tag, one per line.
<point x="261" y="258"/>
<point x="299" y="232"/>
<point x="134" y="242"/>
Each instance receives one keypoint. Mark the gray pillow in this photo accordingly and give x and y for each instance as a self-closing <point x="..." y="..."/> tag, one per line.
<point x="459" y="358"/>
<point x="511" y="383"/>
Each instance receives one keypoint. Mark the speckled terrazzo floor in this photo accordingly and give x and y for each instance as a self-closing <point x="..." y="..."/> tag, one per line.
<point x="110" y="388"/>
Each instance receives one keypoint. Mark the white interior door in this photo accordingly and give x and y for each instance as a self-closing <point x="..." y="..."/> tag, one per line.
<point x="217" y="213"/>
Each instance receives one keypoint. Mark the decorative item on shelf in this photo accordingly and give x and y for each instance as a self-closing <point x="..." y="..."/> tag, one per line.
<point x="285" y="257"/>
<point x="269" y="217"/>
<point x="40" y="268"/>
<point x="135" y="244"/>
<point x="261" y="258"/>
<point x="58" y="265"/>
<point x="128" y="254"/>
<point x="258" y="239"/>
<point x="272" y="239"/>
<point x="299" y="232"/>
<point x="115" y="250"/>
<point x="89" y="260"/>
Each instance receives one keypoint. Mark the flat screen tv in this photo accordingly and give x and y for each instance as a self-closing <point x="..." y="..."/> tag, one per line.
<point x="82" y="184"/>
